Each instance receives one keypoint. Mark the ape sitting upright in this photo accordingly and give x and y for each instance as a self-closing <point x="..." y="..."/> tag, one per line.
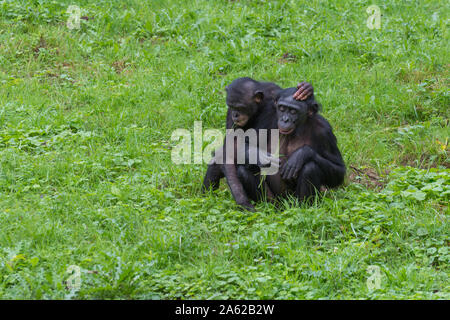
<point x="309" y="156"/>
<point x="250" y="105"/>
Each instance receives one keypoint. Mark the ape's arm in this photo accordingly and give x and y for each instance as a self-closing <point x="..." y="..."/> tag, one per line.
<point x="328" y="158"/>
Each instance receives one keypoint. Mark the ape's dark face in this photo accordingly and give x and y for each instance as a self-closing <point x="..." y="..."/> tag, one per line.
<point x="290" y="117"/>
<point x="240" y="114"/>
<point x="243" y="101"/>
<point x="292" y="113"/>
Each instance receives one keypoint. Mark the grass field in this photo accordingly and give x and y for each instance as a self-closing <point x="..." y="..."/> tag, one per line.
<point x="86" y="178"/>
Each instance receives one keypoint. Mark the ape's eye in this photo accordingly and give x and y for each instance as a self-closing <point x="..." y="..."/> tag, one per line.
<point x="293" y="111"/>
<point x="282" y="108"/>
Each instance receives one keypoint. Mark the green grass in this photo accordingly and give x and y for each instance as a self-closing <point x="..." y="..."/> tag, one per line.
<point x="86" y="179"/>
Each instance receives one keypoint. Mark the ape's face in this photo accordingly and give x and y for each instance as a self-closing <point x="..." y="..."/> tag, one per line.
<point x="240" y="115"/>
<point x="290" y="116"/>
<point x="243" y="105"/>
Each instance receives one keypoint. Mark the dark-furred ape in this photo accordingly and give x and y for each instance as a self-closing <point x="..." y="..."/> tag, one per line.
<point x="250" y="106"/>
<point x="309" y="156"/>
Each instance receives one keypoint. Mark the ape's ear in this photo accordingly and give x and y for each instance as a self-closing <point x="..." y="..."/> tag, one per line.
<point x="258" y="96"/>
<point x="226" y="88"/>
<point x="313" y="108"/>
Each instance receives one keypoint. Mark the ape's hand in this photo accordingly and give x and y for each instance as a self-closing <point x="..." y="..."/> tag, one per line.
<point x="305" y="90"/>
<point x="295" y="163"/>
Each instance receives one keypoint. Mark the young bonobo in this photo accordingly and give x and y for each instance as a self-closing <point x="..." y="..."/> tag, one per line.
<point x="250" y="106"/>
<point x="309" y="156"/>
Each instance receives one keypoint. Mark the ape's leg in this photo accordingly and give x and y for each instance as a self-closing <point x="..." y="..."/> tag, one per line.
<point x="249" y="181"/>
<point x="276" y="185"/>
<point x="309" y="181"/>
<point x="212" y="178"/>
<point x="236" y="186"/>
<point x="269" y="194"/>
<point x="253" y="184"/>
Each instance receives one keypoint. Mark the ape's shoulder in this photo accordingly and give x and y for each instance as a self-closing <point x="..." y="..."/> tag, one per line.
<point x="322" y="124"/>
<point x="322" y="128"/>
<point x="270" y="89"/>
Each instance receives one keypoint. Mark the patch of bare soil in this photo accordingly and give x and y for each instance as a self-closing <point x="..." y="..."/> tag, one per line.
<point x="42" y="44"/>
<point x="367" y="177"/>
<point x="287" y="57"/>
<point x="426" y="160"/>
<point x="120" y="65"/>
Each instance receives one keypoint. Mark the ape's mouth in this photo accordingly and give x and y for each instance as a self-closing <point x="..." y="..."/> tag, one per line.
<point x="286" y="131"/>
<point x="240" y="123"/>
